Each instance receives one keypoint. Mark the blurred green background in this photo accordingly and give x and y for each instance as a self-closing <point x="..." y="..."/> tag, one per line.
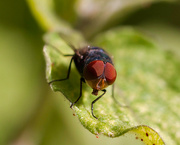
<point x="30" y="113"/>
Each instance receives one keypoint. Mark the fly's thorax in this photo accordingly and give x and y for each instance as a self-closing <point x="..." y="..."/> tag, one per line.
<point x="96" y="53"/>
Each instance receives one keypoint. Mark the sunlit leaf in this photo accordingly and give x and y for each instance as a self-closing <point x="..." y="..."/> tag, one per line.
<point x="148" y="82"/>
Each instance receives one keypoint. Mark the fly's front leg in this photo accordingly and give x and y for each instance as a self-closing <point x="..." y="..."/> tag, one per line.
<point x="95" y="102"/>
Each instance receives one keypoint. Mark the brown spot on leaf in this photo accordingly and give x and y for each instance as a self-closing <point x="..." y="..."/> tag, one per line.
<point x="141" y="139"/>
<point x="147" y="134"/>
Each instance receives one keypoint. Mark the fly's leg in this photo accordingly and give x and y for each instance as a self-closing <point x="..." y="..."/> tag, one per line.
<point x="95" y="102"/>
<point x="81" y="81"/>
<point x="69" y="70"/>
<point x="116" y="99"/>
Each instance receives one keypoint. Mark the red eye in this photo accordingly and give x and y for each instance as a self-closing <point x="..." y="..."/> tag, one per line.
<point x="93" y="70"/>
<point x="110" y="73"/>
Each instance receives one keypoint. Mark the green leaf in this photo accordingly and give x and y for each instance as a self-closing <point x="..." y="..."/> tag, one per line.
<point x="148" y="82"/>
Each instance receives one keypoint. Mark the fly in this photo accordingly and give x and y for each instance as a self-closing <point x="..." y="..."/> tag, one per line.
<point x="95" y="68"/>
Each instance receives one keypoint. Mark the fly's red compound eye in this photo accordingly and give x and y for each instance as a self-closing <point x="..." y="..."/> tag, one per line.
<point x="93" y="70"/>
<point x="110" y="73"/>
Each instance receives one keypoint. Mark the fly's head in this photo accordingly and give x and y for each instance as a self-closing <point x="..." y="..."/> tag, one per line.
<point x="99" y="75"/>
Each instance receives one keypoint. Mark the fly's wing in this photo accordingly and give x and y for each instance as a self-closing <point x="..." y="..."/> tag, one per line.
<point x="58" y="43"/>
<point x="52" y="38"/>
